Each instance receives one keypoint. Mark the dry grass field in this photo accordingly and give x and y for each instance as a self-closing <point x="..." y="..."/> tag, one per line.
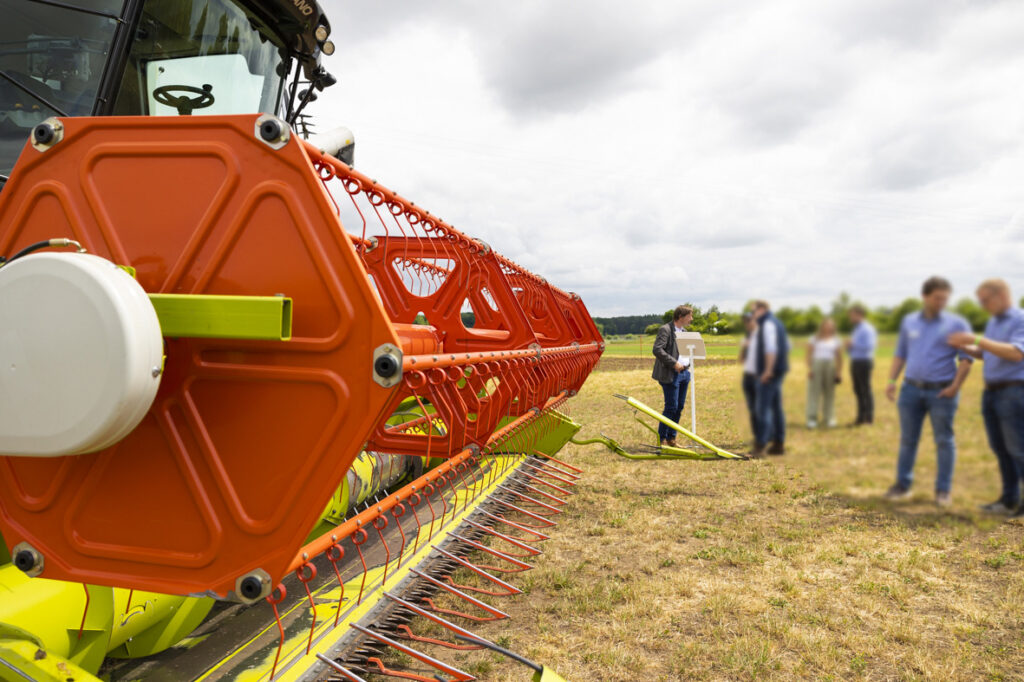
<point x="787" y="568"/>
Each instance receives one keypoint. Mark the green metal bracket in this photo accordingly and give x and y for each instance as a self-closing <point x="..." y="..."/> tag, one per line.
<point x="266" y="318"/>
<point x="546" y="674"/>
<point x="708" y="452"/>
<point x="718" y="452"/>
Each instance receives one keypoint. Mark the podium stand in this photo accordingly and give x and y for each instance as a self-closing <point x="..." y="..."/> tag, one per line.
<point x="691" y="345"/>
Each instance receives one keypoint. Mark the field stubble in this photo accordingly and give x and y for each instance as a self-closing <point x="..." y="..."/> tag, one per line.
<point x="785" y="568"/>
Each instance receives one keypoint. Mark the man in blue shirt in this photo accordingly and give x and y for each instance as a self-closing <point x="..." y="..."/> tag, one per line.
<point x="1002" y="403"/>
<point x="935" y="371"/>
<point x="861" y="348"/>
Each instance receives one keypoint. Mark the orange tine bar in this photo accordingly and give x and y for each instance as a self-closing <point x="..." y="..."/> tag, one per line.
<point x="484" y="606"/>
<point x="490" y="550"/>
<point x="510" y="589"/>
<point x="367" y="517"/>
<point x="340" y="669"/>
<point x="422" y="658"/>
<point x="431" y="616"/>
<point x="343" y="170"/>
<point x="548" y="523"/>
<point x="542" y="471"/>
<point x="442" y="360"/>
<point x="523" y="496"/>
<point x="540" y="537"/>
<point x="530" y="551"/>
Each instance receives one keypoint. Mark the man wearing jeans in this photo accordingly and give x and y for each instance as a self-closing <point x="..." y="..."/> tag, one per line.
<point x="749" y="362"/>
<point x="930" y="387"/>
<point x="671" y="371"/>
<point x="861" y="348"/>
<point x="1002" y="403"/>
<point x="770" y="348"/>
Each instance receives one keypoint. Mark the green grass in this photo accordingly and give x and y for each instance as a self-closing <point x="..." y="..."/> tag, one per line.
<point x="726" y="346"/>
<point x="723" y="346"/>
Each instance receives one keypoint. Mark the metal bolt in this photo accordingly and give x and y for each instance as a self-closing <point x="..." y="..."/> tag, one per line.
<point x="270" y="130"/>
<point x="47" y="134"/>
<point x="251" y="588"/>
<point x="27" y="559"/>
<point x="43" y="133"/>
<point x="156" y="371"/>
<point x="386" y="366"/>
<point x="24" y="560"/>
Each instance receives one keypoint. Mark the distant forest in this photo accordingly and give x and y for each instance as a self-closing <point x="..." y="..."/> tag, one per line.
<point x="626" y="324"/>
<point x="800" y="321"/>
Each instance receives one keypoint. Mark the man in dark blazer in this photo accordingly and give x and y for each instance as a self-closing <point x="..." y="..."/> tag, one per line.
<point x="770" y="346"/>
<point x="671" y="371"/>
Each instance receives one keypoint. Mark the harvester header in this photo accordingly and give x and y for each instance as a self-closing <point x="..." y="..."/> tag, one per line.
<point x="247" y="439"/>
<point x="234" y="370"/>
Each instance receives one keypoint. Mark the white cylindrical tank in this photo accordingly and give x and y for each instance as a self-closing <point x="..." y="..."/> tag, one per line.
<point x="81" y="354"/>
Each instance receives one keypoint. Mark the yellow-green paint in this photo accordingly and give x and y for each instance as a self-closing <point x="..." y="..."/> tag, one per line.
<point x="267" y="318"/>
<point x="556" y="429"/>
<point x="294" y="662"/>
<point x="547" y="675"/>
<point x="661" y="451"/>
<point x="650" y="412"/>
<point x="21" y="660"/>
<point x="48" y="613"/>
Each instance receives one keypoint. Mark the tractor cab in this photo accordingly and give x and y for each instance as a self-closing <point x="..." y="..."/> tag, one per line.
<point x="155" y="58"/>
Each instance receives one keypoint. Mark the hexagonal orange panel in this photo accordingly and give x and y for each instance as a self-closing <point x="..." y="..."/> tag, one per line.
<point x="246" y="440"/>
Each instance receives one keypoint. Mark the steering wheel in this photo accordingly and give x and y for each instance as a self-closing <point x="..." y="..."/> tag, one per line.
<point x="183" y="103"/>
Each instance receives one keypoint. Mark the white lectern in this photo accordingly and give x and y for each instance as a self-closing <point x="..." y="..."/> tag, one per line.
<point x="691" y="345"/>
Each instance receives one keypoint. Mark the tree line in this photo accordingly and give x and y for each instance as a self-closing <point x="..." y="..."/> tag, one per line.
<point x="798" y="321"/>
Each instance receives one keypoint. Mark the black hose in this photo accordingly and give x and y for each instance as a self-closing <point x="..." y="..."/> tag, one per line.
<point x="29" y="249"/>
<point x="42" y="245"/>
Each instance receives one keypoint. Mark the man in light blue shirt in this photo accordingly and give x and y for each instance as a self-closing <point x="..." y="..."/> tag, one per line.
<point x="861" y="348"/>
<point x="935" y="371"/>
<point x="1002" y="403"/>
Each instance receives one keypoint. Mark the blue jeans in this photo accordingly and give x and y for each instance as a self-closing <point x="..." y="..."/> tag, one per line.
<point x="768" y="412"/>
<point x="1003" y="411"/>
<point x="750" y="393"/>
<point x="914" y="404"/>
<point x="675" y="398"/>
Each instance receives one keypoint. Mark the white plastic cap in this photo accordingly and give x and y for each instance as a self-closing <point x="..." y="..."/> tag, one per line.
<point x="80" y="354"/>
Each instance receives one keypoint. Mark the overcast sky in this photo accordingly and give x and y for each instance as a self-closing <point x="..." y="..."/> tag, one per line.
<point x="648" y="153"/>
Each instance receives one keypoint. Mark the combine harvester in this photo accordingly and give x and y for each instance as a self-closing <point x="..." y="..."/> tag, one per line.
<point x="227" y="449"/>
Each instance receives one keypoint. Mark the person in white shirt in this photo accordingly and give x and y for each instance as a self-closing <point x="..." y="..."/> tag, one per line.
<point x="824" y="368"/>
<point x="748" y="358"/>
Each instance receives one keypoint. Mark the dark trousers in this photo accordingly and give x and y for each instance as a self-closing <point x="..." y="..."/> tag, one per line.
<point x="860" y="374"/>
<point x="675" y="398"/>
<point x="1003" y="411"/>
<point x="750" y="393"/>
<point x="771" y="419"/>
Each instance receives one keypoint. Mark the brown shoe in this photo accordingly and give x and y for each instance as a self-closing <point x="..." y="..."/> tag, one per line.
<point x="777" y="449"/>
<point x="671" y="442"/>
<point x="757" y="452"/>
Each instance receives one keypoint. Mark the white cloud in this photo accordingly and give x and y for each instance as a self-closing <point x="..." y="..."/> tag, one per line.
<point x="646" y="153"/>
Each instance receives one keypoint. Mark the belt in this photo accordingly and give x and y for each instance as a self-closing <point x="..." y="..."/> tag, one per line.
<point x="1000" y="385"/>
<point x="928" y="385"/>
